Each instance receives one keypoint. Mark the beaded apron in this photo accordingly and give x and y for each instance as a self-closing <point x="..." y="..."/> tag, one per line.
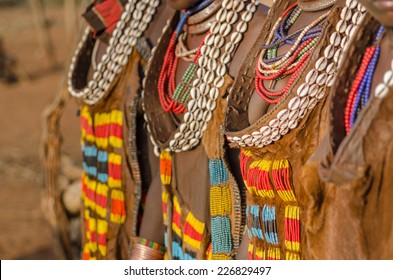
<point x="272" y="165"/>
<point x="112" y="186"/>
<point x="111" y="182"/>
<point x="218" y="235"/>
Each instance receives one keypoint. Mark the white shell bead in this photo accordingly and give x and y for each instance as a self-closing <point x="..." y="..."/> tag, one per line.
<point x="227" y="4"/>
<point x="292" y="124"/>
<point x="202" y="61"/>
<point x="293" y="115"/>
<point x="329" y="52"/>
<point x="283" y="114"/>
<point x="352" y="4"/>
<point x="246" y="136"/>
<point x="207" y="116"/>
<point x="346" y="13"/>
<point x="330" y="80"/>
<point x="204" y="89"/>
<point x="183" y="127"/>
<point x="274" y="133"/>
<point x="229" y="47"/>
<point x="304" y="103"/>
<point x="284" y="131"/>
<point x="335" y="39"/>
<point x="215" y="28"/>
<point x="194" y="126"/>
<point x="194" y="92"/>
<point x="186" y="147"/>
<point x="312" y="103"/>
<point x="214" y="53"/>
<point x="265" y="130"/>
<point x="302" y="113"/>
<point x="225" y="29"/>
<point x="202" y="102"/>
<point x="211" y="104"/>
<point x="194" y="142"/>
<point x="181" y="142"/>
<point x="198" y="114"/>
<point x="221" y="70"/>
<point x="188" y="116"/>
<point x="266" y="139"/>
<point x="284" y="124"/>
<point x="226" y="58"/>
<point x="247" y="16"/>
<point x="388" y="78"/>
<point x="321" y="93"/>
<point x="204" y="127"/>
<point x="310" y="79"/>
<point x="236" y="37"/>
<point x="231" y="17"/>
<point x="321" y="80"/>
<point x="294" y="103"/>
<point x="214" y="93"/>
<point x="341" y="26"/>
<point x="357" y="18"/>
<point x="241" y="27"/>
<point x="361" y="8"/>
<point x="331" y="68"/>
<point x="238" y="6"/>
<point x="209" y="77"/>
<point x="274" y="123"/>
<point x="172" y="143"/>
<point x="381" y="91"/>
<point x="276" y="137"/>
<point x="222" y="15"/>
<point x="219" y="82"/>
<point x="321" y="64"/>
<point x="210" y="39"/>
<point x="252" y="8"/>
<point x="196" y="82"/>
<point x="337" y="56"/>
<point x="219" y="42"/>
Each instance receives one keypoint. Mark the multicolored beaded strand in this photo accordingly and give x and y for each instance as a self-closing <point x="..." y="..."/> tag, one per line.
<point x="173" y="98"/>
<point x="361" y="87"/>
<point x="271" y="67"/>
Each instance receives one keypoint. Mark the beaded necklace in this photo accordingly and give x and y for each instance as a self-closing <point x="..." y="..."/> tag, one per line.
<point x="271" y="67"/>
<point x="321" y="76"/>
<point x="361" y="87"/>
<point x="172" y="97"/>
<point x="226" y="33"/>
<point x="132" y="23"/>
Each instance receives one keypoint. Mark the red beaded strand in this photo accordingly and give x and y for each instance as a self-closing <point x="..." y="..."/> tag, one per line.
<point x="284" y="71"/>
<point x="167" y="78"/>
<point x="352" y="94"/>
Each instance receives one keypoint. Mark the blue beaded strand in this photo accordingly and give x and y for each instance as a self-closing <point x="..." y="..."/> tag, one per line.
<point x="363" y="92"/>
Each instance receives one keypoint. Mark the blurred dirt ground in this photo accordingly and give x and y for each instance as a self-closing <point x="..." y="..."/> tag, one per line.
<point x="24" y="233"/>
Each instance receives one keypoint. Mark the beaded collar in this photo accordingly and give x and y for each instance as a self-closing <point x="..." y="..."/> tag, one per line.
<point x="133" y="22"/>
<point x="226" y="33"/>
<point x="290" y="111"/>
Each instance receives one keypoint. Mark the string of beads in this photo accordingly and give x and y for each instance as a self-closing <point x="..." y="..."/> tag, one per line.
<point x="361" y="87"/>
